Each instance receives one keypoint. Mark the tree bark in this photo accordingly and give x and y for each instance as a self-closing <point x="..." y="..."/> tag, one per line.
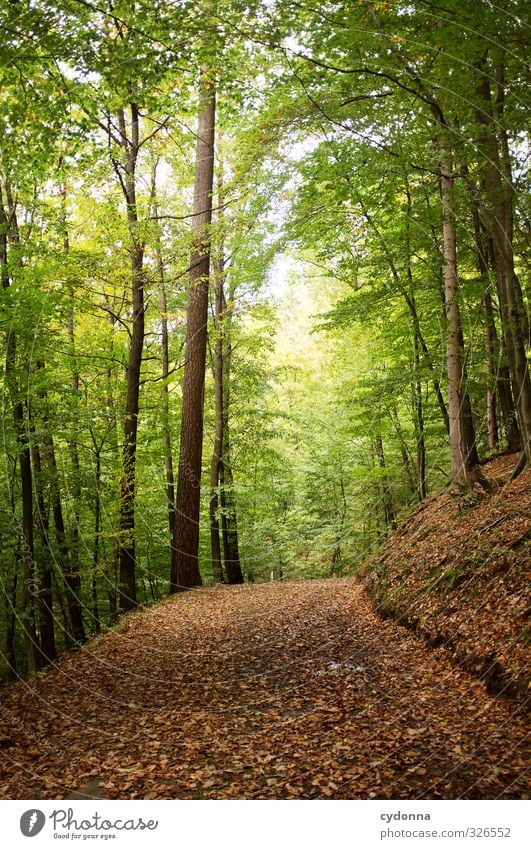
<point x="498" y="215"/>
<point x="217" y="451"/>
<point x="231" y="549"/>
<point x="127" y="557"/>
<point x="166" y="432"/>
<point x="385" y="492"/>
<point x="97" y="539"/>
<point x="24" y="530"/>
<point x="185" y="570"/>
<point x="73" y="442"/>
<point x="47" y="648"/>
<point x="491" y="350"/>
<point x="460" y="468"/>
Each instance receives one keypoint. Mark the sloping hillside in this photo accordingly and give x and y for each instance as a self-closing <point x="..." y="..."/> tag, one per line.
<point x="458" y="572"/>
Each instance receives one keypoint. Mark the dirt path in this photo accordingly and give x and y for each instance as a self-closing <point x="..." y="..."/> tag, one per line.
<point x="270" y="691"/>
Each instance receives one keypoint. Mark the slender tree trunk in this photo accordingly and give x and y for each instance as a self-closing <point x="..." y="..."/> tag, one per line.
<point x="231" y="552"/>
<point x="70" y="570"/>
<point x="342" y="515"/>
<point x="419" y="424"/>
<point x="72" y="577"/>
<point x="185" y="571"/>
<point x="113" y="567"/>
<point x="67" y="627"/>
<point x="11" y="624"/>
<point x="385" y="492"/>
<point x="491" y="347"/>
<point x="73" y="444"/>
<point x="25" y="530"/>
<point x="97" y="539"/>
<point x="417" y="386"/>
<point x="231" y="549"/>
<point x="165" y="399"/>
<point x="491" y="350"/>
<point x="217" y="451"/>
<point x="460" y="467"/>
<point x="404" y="450"/>
<point x="47" y="648"/>
<point x="469" y="430"/>
<point x="127" y="557"/>
<point x="500" y="381"/>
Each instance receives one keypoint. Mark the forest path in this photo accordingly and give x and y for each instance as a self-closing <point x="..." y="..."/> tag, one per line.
<point x="294" y="690"/>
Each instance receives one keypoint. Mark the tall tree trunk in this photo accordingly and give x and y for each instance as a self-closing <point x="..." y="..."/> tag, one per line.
<point x="231" y="549"/>
<point x="217" y="451"/>
<point x="73" y="443"/>
<point x="97" y="540"/>
<point x="491" y="350"/>
<point x="185" y="570"/>
<point x="417" y="386"/>
<point x="70" y="570"/>
<point x="25" y="530"/>
<point x="127" y="557"/>
<point x="498" y="215"/>
<point x="469" y="430"/>
<point x="113" y="567"/>
<point x="419" y="423"/>
<point x="231" y="552"/>
<point x="342" y="515"/>
<point x="47" y="648"/>
<point x="166" y="432"/>
<point x="72" y="577"/>
<point x="460" y="467"/>
<point x="500" y="380"/>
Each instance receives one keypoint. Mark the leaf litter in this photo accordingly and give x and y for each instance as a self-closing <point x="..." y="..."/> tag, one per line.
<point x="273" y="691"/>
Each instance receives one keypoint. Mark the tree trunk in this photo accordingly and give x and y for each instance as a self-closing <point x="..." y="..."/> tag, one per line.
<point x="217" y="451"/>
<point x="500" y="381"/>
<point x="498" y="215"/>
<point x="96" y="549"/>
<point x="69" y="568"/>
<point x="231" y="550"/>
<point x="491" y="346"/>
<point x="185" y="570"/>
<point x="166" y="432"/>
<point x="25" y="530"/>
<point x="127" y="557"/>
<point x="11" y="624"/>
<point x="460" y="468"/>
<point x="417" y="386"/>
<point x="385" y="492"/>
<point x="419" y="424"/>
<point x="72" y="444"/>
<point x="404" y="450"/>
<point x="47" y="648"/>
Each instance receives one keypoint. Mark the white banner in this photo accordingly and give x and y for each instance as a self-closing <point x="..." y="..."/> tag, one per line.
<point x="266" y="824"/>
